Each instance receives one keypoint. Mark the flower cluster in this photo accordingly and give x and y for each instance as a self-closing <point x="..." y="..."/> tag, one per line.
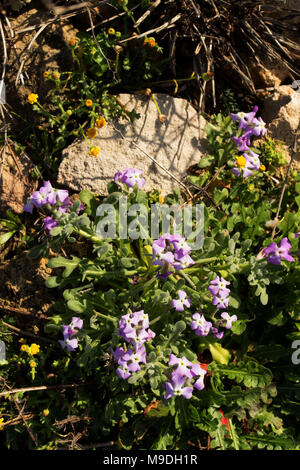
<point x="218" y="288"/>
<point x="184" y="378"/>
<point x="48" y="195"/>
<point x="276" y="254"/>
<point x="171" y="250"/>
<point x="51" y="198"/>
<point x="68" y="331"/>
<point x="130" y="177"/>
<point x="249" y="160"/>
<point x="134" y="329"/>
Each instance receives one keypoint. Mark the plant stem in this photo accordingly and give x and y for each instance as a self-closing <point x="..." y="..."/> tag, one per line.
<point x="105" y="317"/>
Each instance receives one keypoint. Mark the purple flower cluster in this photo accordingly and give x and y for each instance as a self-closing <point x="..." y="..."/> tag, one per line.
<point x="182" y="301"/>
<point x="48" y="195"/>
<point x="68" y="331"/>
<point x="184" y="378"/>
<point x="130" y="177"/>
<point x="252" y="126"/>
<point x="276" y="254"/>
<point x="134" y="329"/>
<point x="51" y="198"/>
<point x="171" y="250"/>
<point x="218" y="288"/>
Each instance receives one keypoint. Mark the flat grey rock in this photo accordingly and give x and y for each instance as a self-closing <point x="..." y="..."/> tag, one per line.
<point x="177" y="144"/>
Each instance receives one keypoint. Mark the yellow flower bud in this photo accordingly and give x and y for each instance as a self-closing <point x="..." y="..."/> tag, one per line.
<point x="32" y="364"/>
<point x="46" y="412"/>
<point x="262" y="168"/>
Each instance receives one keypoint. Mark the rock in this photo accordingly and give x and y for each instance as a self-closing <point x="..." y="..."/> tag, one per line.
<point x="270" y="73"/>
<point x="173" y="143"/>
<point x="282" y="115"/>
<point x="16" y="182"/>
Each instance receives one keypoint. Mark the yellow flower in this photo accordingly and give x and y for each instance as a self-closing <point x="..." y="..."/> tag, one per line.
<point x="111" y="31"/>
<point x="146" y="40"/>
<point x="262" y="168"/>
<point x="55" y="75"/>
<point x="160" y="198"/>
<point x="89" y="103"/>
<point x="46" y="412"/>
<point x="32" y="98"/>
<point x="21" y="340"/>
<point x="241" y="161"/>
<point x="101" y="122"/>
<point x="95" y="151"/>
<point x="23" y="347"/>
<point x="151" y="42"/>
<point x="1" y="425"/>
<point x="46" y="74"/>
<point x="33" y="349"/>
<point x="33" y="364"/>
<point x="91" y="132"/>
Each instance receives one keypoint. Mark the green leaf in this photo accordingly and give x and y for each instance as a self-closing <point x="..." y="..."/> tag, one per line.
<point x="250" y="373"/>
<point x="61" y="262"/>
<point x="219" y="354"/>
<point x="6" y="236"/>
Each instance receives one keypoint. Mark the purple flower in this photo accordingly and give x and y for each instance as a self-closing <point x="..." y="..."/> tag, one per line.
<point x="229" y="319"/>
<point x="277" y="254"/>
<point x="218" y="334"/>
<point x="222" y="299"/>
<point x="183" y="365"/>
<point x="70" y="344"/>
<point x="39" y="198"/>
<point x="200" y="325"/>
<point x="170" y="250"/>
<point x="76" y="322"/>
<point x="243" y="143"/>
<point x="217" y="284"/>
<point x="244" y="118"/>
<point x="49" y="224"/>
<point x="297" y="234"/>
<point x="29" y="206"/>
<point x="183" y="262"/>
<point x="197" y="371"/>
<point x="118" y="353"/>
<point x="130" y="177"/>
<point x="68" y="331"/>
<point x="177" y="387"/>
<point x="181" y="247"/>
<point x="123" y="372"/>
<point x="258" y="127"/>
<point x="181" y="302"/>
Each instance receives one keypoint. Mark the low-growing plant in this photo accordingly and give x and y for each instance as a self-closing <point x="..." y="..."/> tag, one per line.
<point x="169" y="346"/>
